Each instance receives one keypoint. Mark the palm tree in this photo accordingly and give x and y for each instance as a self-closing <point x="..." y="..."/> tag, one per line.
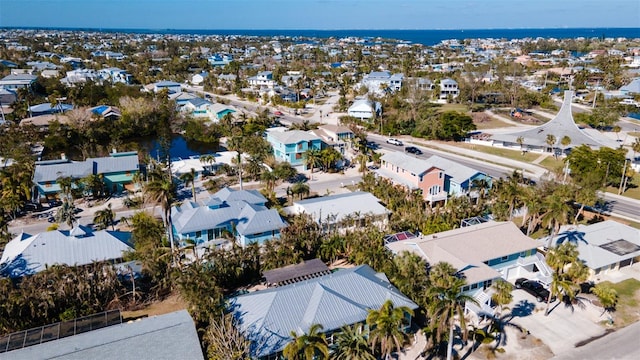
<point x="351" y="344"/>
<point x="565" y="142"/>
<point x="386" y="327"/>
<point x="502" y="295"/>
<point x="636" y="146"/>
<point x="551" y="140"/>
<point x="66" y="213"/>
<point x="300" y="188"/>
<point x="312" y="159"/>
<point x="208" y="159"/>
<point x="162" y="191"/>
<point x="607" y="296"/>
<point x="446" y="302"/>
<point x="520" y="141"/>
<point x="105" y="218"/>
<point x="308" y="346"/>
<point x="556" y="214"/>
<point x="189" y="179"/>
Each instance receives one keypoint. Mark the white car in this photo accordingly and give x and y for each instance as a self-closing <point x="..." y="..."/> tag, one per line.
<point x="395" y="142"/>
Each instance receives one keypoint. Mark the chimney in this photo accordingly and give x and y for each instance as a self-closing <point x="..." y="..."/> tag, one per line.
<point x="114" y="151"/>
<point x="63" y="156"/>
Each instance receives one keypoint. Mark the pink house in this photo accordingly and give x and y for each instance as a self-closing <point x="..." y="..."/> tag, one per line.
<point x="415" y="174"/>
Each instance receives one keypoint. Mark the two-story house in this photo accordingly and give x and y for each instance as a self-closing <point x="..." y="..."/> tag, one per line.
<point x="448" y="88"/>
<point x="170" y="86"/>
<point x="117" y="171"/>
<point x="18" y="81"/>
<point x="381" y="82"/>
<point x="241" y="214"/>
<point x="415" y="174"/>
<point x="482" y="253"/>
<point x="264" y="78"/>
<point x="115" y="75"/>
<point x="290" y="145"/>
<point x="335" y="136"/>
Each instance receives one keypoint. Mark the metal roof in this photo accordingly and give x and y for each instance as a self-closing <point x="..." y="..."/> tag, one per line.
<point x="337" y="207"/>
<point x="27" y="254"/>
<point x="144" y="338"/>
<point x="345" y="297"/>
<point x="458" y="172"/>
<point x="292" y="136"/>
<point x="119" y="162"/>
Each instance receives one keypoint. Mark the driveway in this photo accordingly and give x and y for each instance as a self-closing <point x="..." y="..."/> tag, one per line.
<point x="563" y="328"/>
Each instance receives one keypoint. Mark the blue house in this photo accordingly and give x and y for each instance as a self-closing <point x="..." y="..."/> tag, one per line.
<point x="238" y="213"/>
<point x="117" y="171"/>
<point x="459" y="179"/>
<point x="291" y="145"/>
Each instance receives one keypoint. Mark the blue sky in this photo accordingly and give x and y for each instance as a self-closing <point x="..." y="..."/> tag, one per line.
<point x="320" y="14"/>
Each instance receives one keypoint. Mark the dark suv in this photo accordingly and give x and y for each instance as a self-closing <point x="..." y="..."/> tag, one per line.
<point x="413" y="150"/>
<point x="534" y="288"/>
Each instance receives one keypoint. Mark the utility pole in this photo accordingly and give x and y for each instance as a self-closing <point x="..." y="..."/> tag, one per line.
<point x="623" y="177"/>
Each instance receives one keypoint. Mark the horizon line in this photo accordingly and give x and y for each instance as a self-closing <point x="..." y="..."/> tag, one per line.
<point x="302" y="29"/>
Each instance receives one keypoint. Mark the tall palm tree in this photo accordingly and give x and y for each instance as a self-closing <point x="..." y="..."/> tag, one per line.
<point x="105" y="218"/>
<point x="208" y="160"/>
<point x="308" y="346"/>
<point x="386" y="327"/>
<point x="351" y="344"/>
<point x="162" y="191"/>
<point x="502" y="295"/>
<point x="312" y="159"/>
<point x="446" y="302"/>
<point x="189" y="178"/>
<point x="555" y="215"/>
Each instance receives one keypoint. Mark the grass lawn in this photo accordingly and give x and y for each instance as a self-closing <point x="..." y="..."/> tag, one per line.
<point x="628" y="302"/>
<point x="633" y="133"/>
<point x="506" y="153"/>
<point x="491" y="124"/>
<point x="454" y="107"/>
<point x="552" y="163"/>
<point x="632" y="191"/>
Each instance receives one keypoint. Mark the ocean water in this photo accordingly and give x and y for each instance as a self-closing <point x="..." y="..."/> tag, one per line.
<point x="425" y="37"/>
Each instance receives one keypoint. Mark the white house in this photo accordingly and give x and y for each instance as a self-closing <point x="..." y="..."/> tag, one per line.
<point x="18" y="81"/>
<point x="381" y="82"/>
<point x="264" y="78"/>
<point x="365" y="109"/>
<point x="448" y="87"/>
<point x="171" y="86"/>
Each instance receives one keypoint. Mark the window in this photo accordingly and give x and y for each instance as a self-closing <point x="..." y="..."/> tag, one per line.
<point x="434" y="190"/>
<point x="210" y="234"/>
<point x="474" y="286"/>
<point x="504" y="258"/>
<point x="440" y="175"/>
<point x="298" y="156"/>
<point x="198" y="234"/>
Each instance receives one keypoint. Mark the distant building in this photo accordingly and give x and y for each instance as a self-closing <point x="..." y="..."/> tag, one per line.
<point x="381" y="82"/>
<point x="18" y="81"/>
<point x="448" y="88"/>
<point x="264" y="78"/>
<point x="365" y="109"/>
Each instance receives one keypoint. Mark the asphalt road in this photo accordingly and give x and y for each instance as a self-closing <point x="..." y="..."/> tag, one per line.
<point x="620" y="344"/>
<point x="620" y="206"/>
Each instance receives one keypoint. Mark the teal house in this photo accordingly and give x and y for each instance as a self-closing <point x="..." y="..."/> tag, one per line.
<point x="290" y="145"/>
<point x="117" y="171"/>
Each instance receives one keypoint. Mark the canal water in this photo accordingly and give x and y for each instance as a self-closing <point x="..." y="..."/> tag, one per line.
<point x="180" y="147"/>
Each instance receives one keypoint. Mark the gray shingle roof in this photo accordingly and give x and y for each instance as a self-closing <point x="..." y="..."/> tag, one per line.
<point x="141" y="339"/>
<point x="458" y="172"/>
<point x="27" y="254"/>
<point x="345" y="297"/>
<point x="591" y="238"/>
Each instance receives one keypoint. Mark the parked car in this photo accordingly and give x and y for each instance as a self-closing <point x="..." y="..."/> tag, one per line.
<point x="534" y="288"/>
<point x="278" y="113"/>
<point x="413" y="150"/>
<point x="395" y="142"/>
